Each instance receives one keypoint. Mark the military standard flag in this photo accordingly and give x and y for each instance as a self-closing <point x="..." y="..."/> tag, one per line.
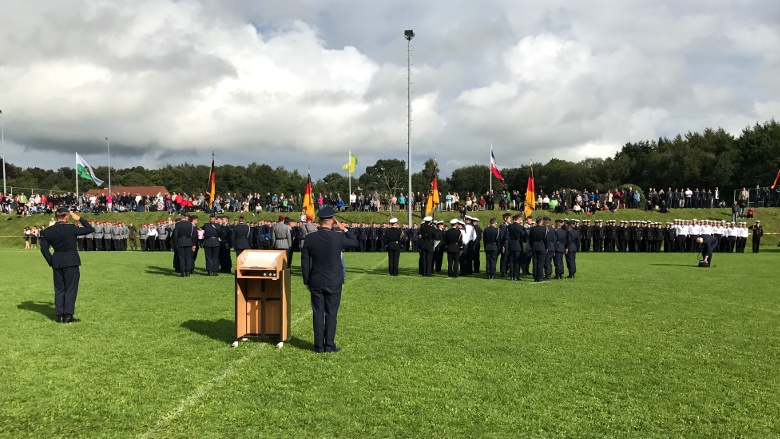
<point x="211" y="185"/>
<point x="530" y="196"/>
<point x="308" y="199"/>
<point x="433" y="197"/>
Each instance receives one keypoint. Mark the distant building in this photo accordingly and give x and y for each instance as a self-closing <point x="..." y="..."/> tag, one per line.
<point x="130" y="190"/>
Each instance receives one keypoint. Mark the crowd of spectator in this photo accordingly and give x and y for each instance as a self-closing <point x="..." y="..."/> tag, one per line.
<point x="560" y="201"/>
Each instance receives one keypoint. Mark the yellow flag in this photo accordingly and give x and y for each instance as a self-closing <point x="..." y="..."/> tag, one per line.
<point x="350" y="167"/>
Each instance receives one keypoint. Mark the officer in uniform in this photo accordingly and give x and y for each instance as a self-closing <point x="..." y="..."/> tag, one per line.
<point x="439" y="247"/>
<point x="475" y="245"/>
<point x="211" y="245"/>
<point x="453" y="239"/>
<point x="560" y="248"/>
<point x="516" y="235"/>
<point x="65" y="261"/>
<point x="97" y="236"/>
<point x="503" y="241"/>
<point x="758" y="232"/>
<point x="323" y="275"/>
<point x="185" y="237"/>
<point x="225" y="232"/>
<point x="550" y="238"/>
<point x="240" y="236"/>
<point x="537" y="241"/>
<point x="492" y="247"/>
<point x="392" y="242"/>
<point x="572" y="245"/>
<point x="425" y="244"/>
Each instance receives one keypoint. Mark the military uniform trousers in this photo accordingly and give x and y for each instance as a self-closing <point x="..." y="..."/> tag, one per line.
<point x="211" y="249"/>
<point x="490" y="262"/>
<point x="548" y="259"/>
<point x="504" y="265"/>
<point x="452" y="263"/>
<point x="475" y="262"/>
<point x="325" y="303"/>
<point x="539" y="258"/>
<point x="66" y="288"/>
<point x="393" y="257"/>
<point x="185" y="258"/>
<point x="558" y="263"/>
<point x="571" y="262"/>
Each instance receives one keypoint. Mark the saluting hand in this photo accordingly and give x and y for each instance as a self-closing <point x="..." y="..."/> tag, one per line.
<point x="74" y="216"/>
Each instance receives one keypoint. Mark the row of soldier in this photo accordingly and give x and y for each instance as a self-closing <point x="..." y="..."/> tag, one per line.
<point x="675" y="236"/>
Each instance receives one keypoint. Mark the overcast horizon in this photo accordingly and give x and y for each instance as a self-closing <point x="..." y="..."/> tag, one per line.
<point x="300" y="83"/>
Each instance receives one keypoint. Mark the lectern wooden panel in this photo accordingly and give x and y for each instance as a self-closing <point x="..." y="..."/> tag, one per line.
<point x="262" y="295"/>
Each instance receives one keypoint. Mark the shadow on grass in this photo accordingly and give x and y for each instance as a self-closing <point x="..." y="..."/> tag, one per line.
<point x="222" y="329"/>
<point x="382" y="271"/>
<point x="297" y="343"/>
<point x="153" y="269"/>
<point x="44" y="308"/>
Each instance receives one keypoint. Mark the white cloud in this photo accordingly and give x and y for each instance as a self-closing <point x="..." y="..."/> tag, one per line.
<point x="301" y="82"/>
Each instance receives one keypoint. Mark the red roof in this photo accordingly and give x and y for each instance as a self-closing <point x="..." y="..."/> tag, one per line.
<point x="131" y="190"/>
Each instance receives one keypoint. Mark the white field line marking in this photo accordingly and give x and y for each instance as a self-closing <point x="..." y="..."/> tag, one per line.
<point x="228" y="371"/>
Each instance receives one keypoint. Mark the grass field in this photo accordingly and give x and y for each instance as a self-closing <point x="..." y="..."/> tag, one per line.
<point x="638" y="346"/>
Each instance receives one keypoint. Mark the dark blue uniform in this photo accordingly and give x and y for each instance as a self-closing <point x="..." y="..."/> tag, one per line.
<point x="323" y="274"/>
<point x="572" y="246"/>
<point x="211" y="247"/>
<point x="65" y="263"/>
<point x="240" y="238"/>
<point x="492" y="247"/>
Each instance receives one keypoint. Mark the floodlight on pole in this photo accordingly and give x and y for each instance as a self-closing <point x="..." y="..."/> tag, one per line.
<point x="108" y="145"/>
<point x="2" y="143"/>
<point x="409" y="34"/>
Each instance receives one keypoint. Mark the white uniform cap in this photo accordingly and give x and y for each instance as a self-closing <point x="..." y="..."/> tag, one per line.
<point x="428" y="218"/>
<point x="393" y="220"/>
<point x="454" y="221"/>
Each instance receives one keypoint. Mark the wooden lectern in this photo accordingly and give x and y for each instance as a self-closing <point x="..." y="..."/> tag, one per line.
<point x="262" y="295"/>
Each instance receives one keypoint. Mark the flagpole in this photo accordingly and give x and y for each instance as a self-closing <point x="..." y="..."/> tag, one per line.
<point x="78" y="199"/>
<point x="349" y="173"/>
<point x="108" y="144"/>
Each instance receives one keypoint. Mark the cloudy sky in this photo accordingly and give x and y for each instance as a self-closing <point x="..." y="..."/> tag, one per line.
<point x="300" y="82"/>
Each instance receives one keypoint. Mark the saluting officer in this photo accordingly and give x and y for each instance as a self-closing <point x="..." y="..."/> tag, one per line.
<point x="572" y="246"/>
<point x="560" y="248"/>
<point x="425" y="245"/>
<point x="516" y="236"/>
<point x="65" y="261"/>
<point x="323" y="275"/>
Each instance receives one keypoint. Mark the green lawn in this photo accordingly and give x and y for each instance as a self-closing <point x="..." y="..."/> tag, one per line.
<point x="638" y="346"/>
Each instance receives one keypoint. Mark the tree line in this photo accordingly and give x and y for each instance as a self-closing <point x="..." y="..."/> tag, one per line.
<point x="712" y="158"/>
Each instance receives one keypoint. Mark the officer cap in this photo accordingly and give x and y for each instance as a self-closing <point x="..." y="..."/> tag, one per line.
<point x="539" y="219"/>
<point x="281" y="217"/>
<point x="758" y="221"/>
<point x="454" y="221"/>
<point x="309" y="218"/>
<point x="63" y="209"/>
<point x="546" y="218"/>
<point x="558" y="221"/>
<point x="393" y="220"/>
<point x="475" y="219"/>
<point x="427" y="219"/>
<point x="323" y="214"/>
<point x="213" y="215"/>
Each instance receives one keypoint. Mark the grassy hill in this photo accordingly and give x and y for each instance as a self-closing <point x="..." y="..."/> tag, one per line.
<point x="11" y="226"/>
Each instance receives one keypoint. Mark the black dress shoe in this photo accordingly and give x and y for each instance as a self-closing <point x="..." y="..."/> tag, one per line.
<point x="70" y="319"/>
<point x="60" y="318"/>
<point x="334" y="350"/>
<point x="182" y="274"/>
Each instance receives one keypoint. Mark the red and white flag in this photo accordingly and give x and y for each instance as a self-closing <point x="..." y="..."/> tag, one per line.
<point x="494" y="167"/>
